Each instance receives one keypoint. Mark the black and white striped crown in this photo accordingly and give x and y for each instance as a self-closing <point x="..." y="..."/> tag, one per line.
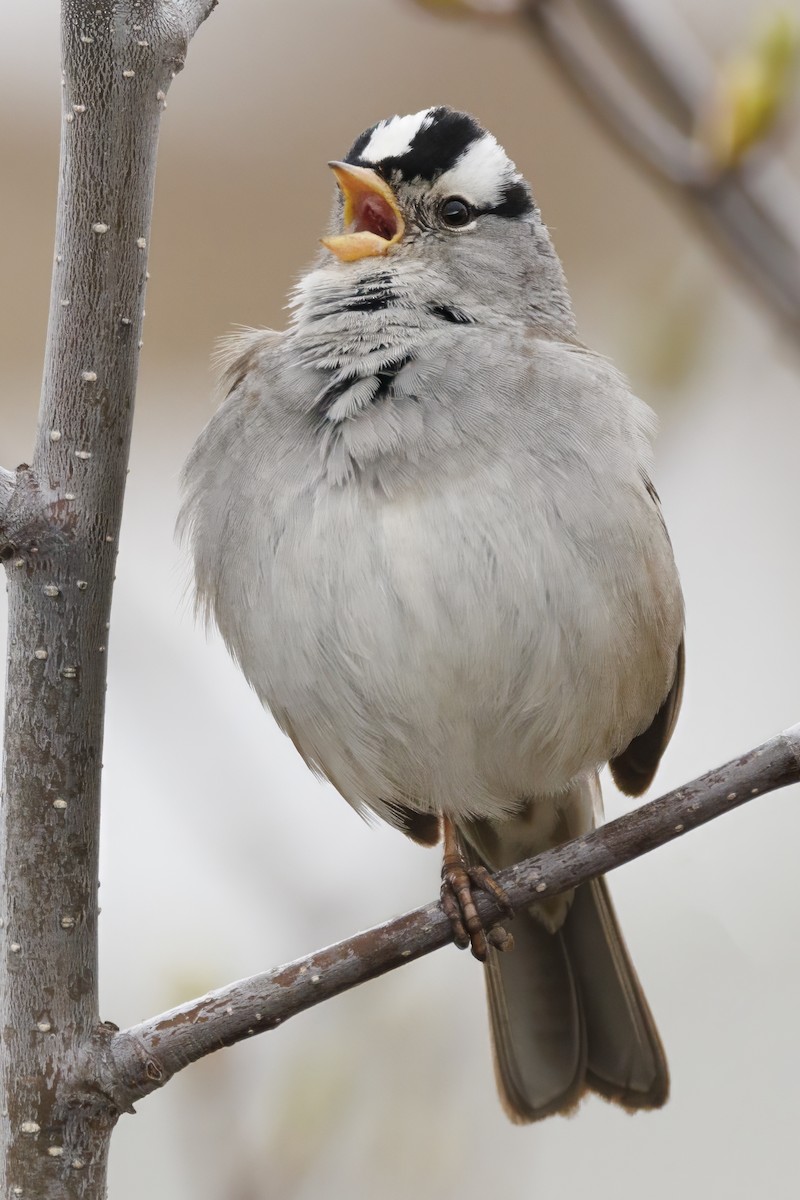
<point x="440" y="144"/>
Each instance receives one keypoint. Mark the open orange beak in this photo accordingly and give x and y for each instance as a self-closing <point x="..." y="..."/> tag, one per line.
<point x="372" y="220"/>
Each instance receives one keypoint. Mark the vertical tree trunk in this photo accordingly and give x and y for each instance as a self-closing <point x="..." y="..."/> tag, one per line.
<point x="62" y="520"/>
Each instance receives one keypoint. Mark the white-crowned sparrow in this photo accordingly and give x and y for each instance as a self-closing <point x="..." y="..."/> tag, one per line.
<point x="423" y="521"/>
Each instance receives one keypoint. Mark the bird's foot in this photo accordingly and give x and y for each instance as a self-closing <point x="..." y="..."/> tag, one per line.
<point x="458" y="883"/>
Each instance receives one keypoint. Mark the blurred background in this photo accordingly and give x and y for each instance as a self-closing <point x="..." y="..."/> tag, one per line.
<point x="222" y="856"/>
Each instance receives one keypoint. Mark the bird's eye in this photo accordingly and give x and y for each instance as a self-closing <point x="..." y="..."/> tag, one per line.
<point x="455" y="212"/>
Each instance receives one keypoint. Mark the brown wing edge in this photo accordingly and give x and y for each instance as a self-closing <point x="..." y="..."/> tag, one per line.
<point x="634" y="768"/>
<point x="423" y="828"/>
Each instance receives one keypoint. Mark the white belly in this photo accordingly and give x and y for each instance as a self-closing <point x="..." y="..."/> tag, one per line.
<point x="457" y="651"/>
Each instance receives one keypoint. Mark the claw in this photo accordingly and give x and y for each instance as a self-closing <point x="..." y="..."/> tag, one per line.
<point x="501" y="939"/>
<point x="458" y="883"/>
<point x="487" y="883"/>
<point x="453" y="914"/>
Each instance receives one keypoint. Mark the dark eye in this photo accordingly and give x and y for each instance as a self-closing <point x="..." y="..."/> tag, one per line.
<point x="455" y="212"/>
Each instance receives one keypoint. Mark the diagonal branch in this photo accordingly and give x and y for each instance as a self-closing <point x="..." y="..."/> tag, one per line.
<point x="751" y="211"/>
<point x="636" y="123"/>
<point x="130" y="1064"/>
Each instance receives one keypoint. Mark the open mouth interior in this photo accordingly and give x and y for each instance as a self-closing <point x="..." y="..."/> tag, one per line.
<point x="373" y="223"/>
<point x="373" y="214"/>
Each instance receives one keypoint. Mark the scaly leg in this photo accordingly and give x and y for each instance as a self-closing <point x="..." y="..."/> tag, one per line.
<point x="458" y="881"/>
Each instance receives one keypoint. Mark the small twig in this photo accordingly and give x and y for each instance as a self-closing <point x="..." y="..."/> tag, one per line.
<point x="141" y="1059"/>
<point x="752" y="211"/>
<point x="636" y="123"/>
<point x="666" y="45"/>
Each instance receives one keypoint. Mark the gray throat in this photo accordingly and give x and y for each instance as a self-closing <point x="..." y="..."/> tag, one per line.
<point x="358" y="335"/>
<point x="367" y="343"/>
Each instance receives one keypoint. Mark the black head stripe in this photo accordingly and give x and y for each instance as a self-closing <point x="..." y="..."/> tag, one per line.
<point x="433" y="149"/>
<point x="438" y="148"/>
<point x="516" y="201"/>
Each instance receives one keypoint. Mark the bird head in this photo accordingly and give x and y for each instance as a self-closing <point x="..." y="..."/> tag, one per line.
<point x="434" y="190"/>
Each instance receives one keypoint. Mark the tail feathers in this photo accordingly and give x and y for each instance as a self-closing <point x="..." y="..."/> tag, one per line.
<point x="625" y="1058"/>
<point x="567" y="1011"/>
<point x="536" y="1022"/>
<point x="568" y="1014"/>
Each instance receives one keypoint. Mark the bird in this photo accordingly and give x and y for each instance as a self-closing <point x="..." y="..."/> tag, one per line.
<point x="423" y="521"/>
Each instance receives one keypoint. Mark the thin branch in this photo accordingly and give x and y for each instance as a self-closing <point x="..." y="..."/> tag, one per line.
<point x="636" y="123"/>
<point x="666" y="46"/>
<point x="753" y="211"/>
<point x="139" y="1060"/>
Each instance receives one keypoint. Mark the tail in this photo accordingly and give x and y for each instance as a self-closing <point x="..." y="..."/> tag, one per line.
<point x="567" y="1011"/>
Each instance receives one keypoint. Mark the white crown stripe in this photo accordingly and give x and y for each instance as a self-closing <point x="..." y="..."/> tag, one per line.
<point x="392" y="138"/>
<point x="481" y="173"/>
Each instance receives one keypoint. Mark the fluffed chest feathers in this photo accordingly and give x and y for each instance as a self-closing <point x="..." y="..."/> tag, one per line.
<point x="453" y="625"/>
<point x="428" y="564"/>
<point x="377" y="364"/>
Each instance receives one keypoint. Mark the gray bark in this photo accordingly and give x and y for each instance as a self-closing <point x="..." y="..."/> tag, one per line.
<point x="59" y="524"/>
